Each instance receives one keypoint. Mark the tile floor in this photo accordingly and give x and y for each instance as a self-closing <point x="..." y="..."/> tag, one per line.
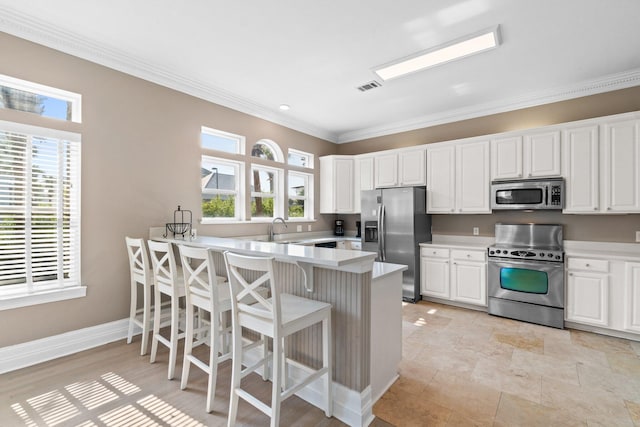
<point x="463" y="367"/>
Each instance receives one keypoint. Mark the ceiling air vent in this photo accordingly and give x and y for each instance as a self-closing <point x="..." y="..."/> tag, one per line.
<point x="368" y="86"/>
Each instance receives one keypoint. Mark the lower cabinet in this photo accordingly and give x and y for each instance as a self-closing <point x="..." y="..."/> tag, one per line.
<point x="454" y="274"/>
<point x="588" y="291"/>
<point x="603" y="292"/>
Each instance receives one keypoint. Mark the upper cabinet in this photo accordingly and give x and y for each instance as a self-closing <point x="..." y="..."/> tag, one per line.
<point x="602" y="167"/>
<point x="533" y="155"/>
<point x="458" y="178"/>
<point x="621" y="166"/>
<point x="364" y="178"/>
<point x="337" y="184"/>
<point x="400" y="168"/>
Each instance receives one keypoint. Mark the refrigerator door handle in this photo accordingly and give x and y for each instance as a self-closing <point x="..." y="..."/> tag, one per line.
<point x="382" y="234"/>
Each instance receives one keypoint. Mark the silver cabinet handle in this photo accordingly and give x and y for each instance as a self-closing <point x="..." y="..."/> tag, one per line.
<point x="570" y="274"/>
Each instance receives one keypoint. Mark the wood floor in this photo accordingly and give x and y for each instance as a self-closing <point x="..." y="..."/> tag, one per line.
<point x="113" y="385"/>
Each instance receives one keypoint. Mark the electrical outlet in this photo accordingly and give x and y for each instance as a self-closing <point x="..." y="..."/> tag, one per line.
<point x="476" y="231"/>
<point x="309" y="227"/>
<point x="637" y="236"/>
<point x="299" y="228"/>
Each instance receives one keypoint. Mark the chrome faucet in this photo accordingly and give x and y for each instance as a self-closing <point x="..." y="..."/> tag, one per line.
<point x="272" y="225"/>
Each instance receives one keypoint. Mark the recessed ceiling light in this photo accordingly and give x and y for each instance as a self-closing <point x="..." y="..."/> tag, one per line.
<point x="284" y="107"/>
<point x="456" y="49"/>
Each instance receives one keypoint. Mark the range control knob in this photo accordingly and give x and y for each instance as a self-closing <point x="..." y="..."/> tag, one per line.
<point x="558" y="257"/>
<point x="550" y="255"/>
<point x="497" y="251"/>
<point x="541" y="254"/>
<point x="491" y="252"/>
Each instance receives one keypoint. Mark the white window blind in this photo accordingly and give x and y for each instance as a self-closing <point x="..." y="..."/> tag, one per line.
<point x="39" y="210"/>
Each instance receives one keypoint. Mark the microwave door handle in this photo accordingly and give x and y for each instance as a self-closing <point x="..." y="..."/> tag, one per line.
<point x="546" y="196"/>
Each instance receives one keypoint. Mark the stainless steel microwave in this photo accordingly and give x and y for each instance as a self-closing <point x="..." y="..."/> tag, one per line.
<point x="528" y="194"/>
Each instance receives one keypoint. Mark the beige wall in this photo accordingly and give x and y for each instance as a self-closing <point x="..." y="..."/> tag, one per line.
<point x="140" y="159"/>
<point x="617" y="228"/>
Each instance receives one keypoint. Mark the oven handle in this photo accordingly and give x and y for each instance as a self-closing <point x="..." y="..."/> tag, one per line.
<point x="546" y="264"/>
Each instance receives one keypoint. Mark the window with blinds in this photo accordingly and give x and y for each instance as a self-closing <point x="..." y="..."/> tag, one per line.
<point x="39" y="210"/>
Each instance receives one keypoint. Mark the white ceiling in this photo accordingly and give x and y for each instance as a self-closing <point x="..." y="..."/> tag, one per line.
<point x="255" y="55"/>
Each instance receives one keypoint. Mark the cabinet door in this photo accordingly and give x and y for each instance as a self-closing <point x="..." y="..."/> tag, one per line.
<point x="469" y="282"/>
<point x="412" y="167"/>
<point x="622" y="166"/>
<point x="581" y="156"/>
<point x="441" y="179"/>
<point x="588" y="298"/>
<point x="434" y="277"/>
<point x="343" y="186"/>
<point x="542" y="154"/>
<point x="472" y="178"/>
<point x="506" y="158"/>
<point x="632" y="293"/>
<point x="363" y="179"/>
<point x="386" y="170"/>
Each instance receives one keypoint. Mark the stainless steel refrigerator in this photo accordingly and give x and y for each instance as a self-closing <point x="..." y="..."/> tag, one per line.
<point x="394" y="222"/>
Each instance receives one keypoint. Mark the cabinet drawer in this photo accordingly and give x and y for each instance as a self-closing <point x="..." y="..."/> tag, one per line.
<point x="356" y="245"/>
<point x="588" y="264"/>
<point x="461" y="255"/>
<point x="435" y="252"/>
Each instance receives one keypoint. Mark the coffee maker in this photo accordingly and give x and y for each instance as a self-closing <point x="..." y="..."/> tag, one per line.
<point x="339" y="229"/>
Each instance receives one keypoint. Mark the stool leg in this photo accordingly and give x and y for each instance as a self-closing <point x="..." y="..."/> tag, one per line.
<point x="214" y="348"/>
<point x="327" y="353"/>
<point x="276" y="388"/>
<point x="188" y="346"/>
<point x="157" y="306"/>
<point x="236" y="368"/>
<point x="132" y="310"/>
<point x="175" y="325"/>
<point x="146" y="319"/>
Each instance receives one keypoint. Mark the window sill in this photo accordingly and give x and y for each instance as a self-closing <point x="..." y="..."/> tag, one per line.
<point x="8" y="302"/>
<point x="253" y="221"/>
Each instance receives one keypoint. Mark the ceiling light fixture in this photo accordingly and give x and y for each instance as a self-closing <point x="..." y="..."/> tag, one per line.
<point x="284" y="107"/>
<point x="456" y="49"/>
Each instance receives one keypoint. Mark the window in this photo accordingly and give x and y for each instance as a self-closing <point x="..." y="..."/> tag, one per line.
<point x="265" y="192"/>
<point x="39" y="211"/>
<point x="300" y="203"/>
<point x="300" y="158"/>
<point x="268" y="150"/>
<point x="21" y="95"/>
<point x="221" y="181"/>
<point x="222" y="141"/>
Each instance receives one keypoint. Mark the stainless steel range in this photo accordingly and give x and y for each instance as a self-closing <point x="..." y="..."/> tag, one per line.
<point x="526" y="273"/>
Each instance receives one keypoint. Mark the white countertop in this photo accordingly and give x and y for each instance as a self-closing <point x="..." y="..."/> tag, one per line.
<point x="382" y="269"/>
<point x="323" y="257"/>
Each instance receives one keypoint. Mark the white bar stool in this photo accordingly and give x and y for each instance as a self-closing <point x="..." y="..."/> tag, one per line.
<point x="168" y="281"/>
<point x="207" y="292"/>
<point x="276" y="317"/>
<point x="141" y="275"/>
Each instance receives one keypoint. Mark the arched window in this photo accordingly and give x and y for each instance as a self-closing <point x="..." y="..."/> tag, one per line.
<point x="267" y="149"/>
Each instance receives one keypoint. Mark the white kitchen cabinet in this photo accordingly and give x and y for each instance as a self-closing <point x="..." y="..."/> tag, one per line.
<point x="469" y="276"/>
<point x="621" y="166"/>
<point x="400" y="168"/>
<point x="434" y="272"/>
<point x="632" y="297"/>
<point x="532" y="155"/>
<point x="337" y="184"/>
<point x="454" y="274"/>
<point x="458" y="178"/>
<point x="386" y="170"/>
<point x="580" y="151"/>
<point x="587" y="299"/>
<point x="364" y="178"/>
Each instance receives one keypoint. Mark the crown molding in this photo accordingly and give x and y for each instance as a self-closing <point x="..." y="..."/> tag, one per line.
<point x="585" y="88"/>
<point x="37" y="31"/>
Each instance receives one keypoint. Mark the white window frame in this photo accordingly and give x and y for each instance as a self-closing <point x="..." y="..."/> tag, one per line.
<point x="30" y="293"/>
<point x="278" y="191"/>
<point x="74" y="98"/>
<point x="301" y="153"/>
<point x="238" y="192"/>
<point x="274" y="147"/>
<point x="308" y="197"/>
<point x="240" y="140"/>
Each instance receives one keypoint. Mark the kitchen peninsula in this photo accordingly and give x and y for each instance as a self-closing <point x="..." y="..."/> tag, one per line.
<point x="367" y="315"/>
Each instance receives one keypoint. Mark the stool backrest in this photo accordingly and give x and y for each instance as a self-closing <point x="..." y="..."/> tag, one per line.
<point x="247" y="275"/>
<point x="163" y="260"/>
<point x="199" y="274"/>
<point x="138" y="260"/>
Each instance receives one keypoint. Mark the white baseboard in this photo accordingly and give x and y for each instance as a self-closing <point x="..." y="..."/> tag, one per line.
<point x="33" y="352"/>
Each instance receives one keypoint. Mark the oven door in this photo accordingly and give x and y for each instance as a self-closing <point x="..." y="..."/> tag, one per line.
<point x="535" y="282"/>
